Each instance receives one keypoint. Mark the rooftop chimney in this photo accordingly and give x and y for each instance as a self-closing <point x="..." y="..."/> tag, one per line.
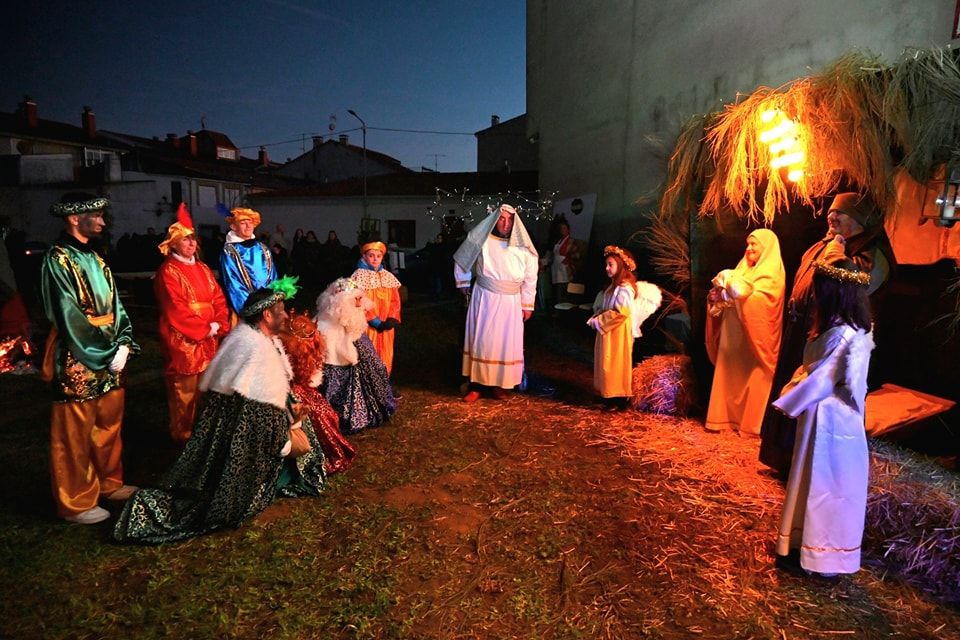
<point x="173" y="140"/>
<point x="89" y="119"/>
<point x="317" y="141"/>
<point x="262" y="158"/>
<point x="193" y="143"/>
<point x="494" y="120"/>
<point x="28" y="110"/>
<point x="344" y="138"/>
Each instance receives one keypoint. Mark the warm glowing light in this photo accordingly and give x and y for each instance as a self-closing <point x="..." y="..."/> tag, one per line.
<point x="780" y="131"/>
<point x="782" y="138"/>
<point x="787" y="159"/>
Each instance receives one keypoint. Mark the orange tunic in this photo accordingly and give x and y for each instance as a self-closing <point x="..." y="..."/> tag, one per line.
<point x="189" y="299"/>
<point x="384" y="289"/>
<point x="743" y="339"/>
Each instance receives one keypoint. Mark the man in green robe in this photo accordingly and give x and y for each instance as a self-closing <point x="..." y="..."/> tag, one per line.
<point x="85" y="355"/>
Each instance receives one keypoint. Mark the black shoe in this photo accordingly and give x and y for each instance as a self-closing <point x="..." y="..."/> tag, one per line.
<point x="790" y="563"/>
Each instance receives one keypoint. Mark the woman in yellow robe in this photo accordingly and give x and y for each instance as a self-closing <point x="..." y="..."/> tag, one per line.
<point x="383" y="288"/>
<point x="744" y="316"/>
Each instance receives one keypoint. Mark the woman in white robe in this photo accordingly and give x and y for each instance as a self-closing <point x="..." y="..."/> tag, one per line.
<point x="825" y="505"/>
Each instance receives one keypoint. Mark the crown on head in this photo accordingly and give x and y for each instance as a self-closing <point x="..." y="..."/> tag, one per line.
<point x="613" y="250"/>
<point x="843" y="275"/>
<point x="302" y="327"/>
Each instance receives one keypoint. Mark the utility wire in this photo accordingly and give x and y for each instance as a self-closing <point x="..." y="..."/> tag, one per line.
<point x="424" y="131"/>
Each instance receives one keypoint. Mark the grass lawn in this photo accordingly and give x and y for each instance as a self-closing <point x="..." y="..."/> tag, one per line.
<point x="526" y="518"/>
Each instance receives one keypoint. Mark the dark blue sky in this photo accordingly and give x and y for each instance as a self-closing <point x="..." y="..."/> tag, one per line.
<point x="271" y="70"/>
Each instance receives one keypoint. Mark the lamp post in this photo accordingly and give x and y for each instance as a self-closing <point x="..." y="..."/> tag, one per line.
<point x="363" y="128"/>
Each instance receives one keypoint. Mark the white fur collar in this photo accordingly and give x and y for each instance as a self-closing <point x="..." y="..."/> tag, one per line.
<point x="179" y="257"/>
<point x="251" y="364"/>
<point x="233" y="238"/>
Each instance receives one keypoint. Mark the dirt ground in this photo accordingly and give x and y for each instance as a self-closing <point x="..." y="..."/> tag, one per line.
<point x="536" y="517"/>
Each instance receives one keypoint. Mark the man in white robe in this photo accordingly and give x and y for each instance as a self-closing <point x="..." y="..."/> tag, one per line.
<point x="499" y="258"/>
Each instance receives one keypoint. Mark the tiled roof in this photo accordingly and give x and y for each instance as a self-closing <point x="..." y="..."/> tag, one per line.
<point x="371" y="154"/>
<point x="160" y="156"/>
<point x="14" y="124"/>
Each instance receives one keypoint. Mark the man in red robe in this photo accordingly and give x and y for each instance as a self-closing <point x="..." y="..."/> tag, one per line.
<point x="193" y="318"/>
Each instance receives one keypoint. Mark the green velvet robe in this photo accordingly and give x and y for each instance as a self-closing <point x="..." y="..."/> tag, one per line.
<point x="77" y="285"/>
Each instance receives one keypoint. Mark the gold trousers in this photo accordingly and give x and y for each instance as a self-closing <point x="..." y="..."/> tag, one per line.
<point x="182" y="399"/>
<point x="85" y="451"/>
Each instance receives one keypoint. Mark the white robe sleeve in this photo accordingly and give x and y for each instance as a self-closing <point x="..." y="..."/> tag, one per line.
<point x="461" y="277"/>
<point x="528" y="289"/>
<point x="812" y="383"/>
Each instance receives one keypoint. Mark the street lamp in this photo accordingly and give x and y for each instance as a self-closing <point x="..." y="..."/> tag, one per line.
<point x="363" y="128"/>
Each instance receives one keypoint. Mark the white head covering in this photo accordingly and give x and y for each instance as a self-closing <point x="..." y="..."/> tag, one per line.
<point x="468" y="252"/>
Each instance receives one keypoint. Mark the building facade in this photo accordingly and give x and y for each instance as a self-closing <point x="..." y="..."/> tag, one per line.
<point x="609" y="84"/>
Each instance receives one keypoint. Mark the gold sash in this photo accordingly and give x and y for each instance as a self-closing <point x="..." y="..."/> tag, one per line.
<point x="100" y="321"/>
<point x="48" y="368"/>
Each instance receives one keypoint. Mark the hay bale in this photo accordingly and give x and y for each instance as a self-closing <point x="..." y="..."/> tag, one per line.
<point x="663" y="385"/>
<point x="913" y="520"/>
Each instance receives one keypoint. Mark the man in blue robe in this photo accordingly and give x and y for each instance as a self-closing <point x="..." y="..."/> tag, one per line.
<point x="246" y="263"/>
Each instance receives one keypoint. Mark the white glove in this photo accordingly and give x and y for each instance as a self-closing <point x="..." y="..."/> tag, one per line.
<point x="119" y="359"/>
<point x="287" y="448"/>
<point x="214" y="328"/>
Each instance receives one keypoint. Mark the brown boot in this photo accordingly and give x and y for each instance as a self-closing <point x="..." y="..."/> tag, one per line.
<point x="498" y="394"/>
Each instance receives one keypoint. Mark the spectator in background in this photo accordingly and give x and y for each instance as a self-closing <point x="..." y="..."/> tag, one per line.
<point x="280" y="238"/>
<point x="280" y="258"/>
<point x="565" y="261"/>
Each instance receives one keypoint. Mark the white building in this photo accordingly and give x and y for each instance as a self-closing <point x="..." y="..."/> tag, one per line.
<point x="402" y="206"/>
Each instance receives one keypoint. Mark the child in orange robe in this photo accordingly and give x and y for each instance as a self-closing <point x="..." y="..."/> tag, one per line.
<point x="383" y="288"/>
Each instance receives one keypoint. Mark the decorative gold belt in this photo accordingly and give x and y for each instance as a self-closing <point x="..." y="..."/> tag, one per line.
<point x="200" y="306"/>
<point x="101" y="321"/>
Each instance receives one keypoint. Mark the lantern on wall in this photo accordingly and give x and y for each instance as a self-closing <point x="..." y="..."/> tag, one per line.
<point x="948" y="202"/>
<point x="782" y="137"/>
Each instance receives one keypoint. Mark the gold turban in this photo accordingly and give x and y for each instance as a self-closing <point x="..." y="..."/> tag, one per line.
<point x="376" y="244"/>
<point x="175" y="233"/>
<point x="240" y="213"/>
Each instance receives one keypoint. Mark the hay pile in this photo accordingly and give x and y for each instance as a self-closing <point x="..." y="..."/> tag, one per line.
<point x="859" y="120"/>
<point x="912" y="529"/>
<point x="913" y="520"/>
<point x="663" y="385"/>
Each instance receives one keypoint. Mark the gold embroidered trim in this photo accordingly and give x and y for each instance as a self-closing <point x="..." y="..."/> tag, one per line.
<point x="482" y="361"/>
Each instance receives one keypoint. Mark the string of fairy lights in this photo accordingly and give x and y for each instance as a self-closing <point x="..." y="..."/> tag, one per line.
<point x="536" y="204"/>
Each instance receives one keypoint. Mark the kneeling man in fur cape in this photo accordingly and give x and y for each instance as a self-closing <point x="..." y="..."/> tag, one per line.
<point x="230" y="467"/>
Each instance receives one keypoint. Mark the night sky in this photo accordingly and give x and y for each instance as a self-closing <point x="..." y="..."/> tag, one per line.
<point x="275" y="70"/>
